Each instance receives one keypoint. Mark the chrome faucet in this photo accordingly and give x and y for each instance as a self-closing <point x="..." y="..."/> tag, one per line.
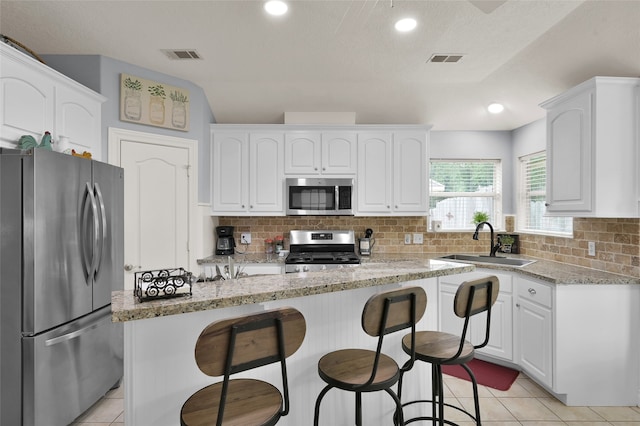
<point x="494" y="246"/>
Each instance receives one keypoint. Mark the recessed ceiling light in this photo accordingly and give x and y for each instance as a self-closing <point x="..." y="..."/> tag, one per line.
<point x="276" y="7"/>
<point x="406" y="24"/>
<point x="495" y="108"/>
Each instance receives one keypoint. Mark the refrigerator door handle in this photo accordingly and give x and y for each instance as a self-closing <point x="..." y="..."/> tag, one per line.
<point x="86" y="256"/>
<point x="103" y="228"/>
<point x="77" y="333"/>
<point x="89" y="253"/>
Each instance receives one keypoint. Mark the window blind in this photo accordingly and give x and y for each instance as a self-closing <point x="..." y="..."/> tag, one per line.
<point x="532" y="213"/>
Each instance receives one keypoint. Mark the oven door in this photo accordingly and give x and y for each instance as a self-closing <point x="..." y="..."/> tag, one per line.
<point x="317" y="196"/>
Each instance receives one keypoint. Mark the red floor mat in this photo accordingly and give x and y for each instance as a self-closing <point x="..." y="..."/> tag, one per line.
<point x="487" y="374"/>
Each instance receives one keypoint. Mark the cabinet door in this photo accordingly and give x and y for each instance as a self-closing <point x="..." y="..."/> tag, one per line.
<point x="535" y="324"/>
<point x="500" y="343"/>
<point x="410" y="172"/>
<point x="339" y="152"/>
<point x="27" y="98"/>
<point x="302" y="153"/>
<point x="569" y="155"/>
<point x="229" y="171"/>
<point x="265" y="173"/>
<point x="534" y="337"/>
<point x="79" y="117"/>
<point x="374" y="172"/>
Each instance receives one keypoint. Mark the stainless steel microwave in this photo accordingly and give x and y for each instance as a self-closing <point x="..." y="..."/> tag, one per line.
<point x="319" y="196"/>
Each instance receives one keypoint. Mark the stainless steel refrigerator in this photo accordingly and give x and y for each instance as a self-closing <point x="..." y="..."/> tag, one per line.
<point x="61" y="255"/>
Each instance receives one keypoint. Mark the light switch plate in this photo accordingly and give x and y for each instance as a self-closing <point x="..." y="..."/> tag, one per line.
<point x="245" y="238"/>
<point x="417" y="238"/>
<point x="407" y="238"/>
<point x="592" y="248"/>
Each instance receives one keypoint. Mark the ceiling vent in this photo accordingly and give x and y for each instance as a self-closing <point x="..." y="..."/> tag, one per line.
<point x="182" y="53"/>
<point x="439" y="57"/>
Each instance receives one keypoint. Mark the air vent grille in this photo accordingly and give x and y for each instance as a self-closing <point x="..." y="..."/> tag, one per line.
<point x="440" y="58"/>
<point x="182" y="54"/>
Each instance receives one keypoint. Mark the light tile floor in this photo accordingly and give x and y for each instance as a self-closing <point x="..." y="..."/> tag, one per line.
<point x="525" y="404"/>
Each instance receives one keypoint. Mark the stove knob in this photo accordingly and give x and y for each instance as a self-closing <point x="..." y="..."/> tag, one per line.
<point x="305" y="268"/>
<point x="297" y="269"/>
<point x="324" y="267"/>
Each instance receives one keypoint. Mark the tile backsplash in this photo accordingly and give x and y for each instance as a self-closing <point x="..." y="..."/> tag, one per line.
<point x="617" y="240"/>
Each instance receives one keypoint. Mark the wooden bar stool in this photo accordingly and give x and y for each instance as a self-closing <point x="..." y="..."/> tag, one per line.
<point x="239" y="344"/>
<point x="361" y="370"/>
<point x="439" y="348"/>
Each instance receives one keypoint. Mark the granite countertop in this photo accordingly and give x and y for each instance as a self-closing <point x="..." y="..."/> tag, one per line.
<point x="546" y="270"/>
<point x="264" y="288"/>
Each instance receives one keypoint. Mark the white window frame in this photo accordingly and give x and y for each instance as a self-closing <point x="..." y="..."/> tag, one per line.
<point x="523" y="203"/>
<point x="496" y="219"/>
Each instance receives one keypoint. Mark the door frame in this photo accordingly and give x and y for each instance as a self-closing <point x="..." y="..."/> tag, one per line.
<point x="117" y="135"/>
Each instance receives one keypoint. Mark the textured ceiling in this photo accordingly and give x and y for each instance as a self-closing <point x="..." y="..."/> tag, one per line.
<point x="339" y="55"/>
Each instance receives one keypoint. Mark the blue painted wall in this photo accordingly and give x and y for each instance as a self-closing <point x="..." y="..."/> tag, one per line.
<point x="102" y="74"/>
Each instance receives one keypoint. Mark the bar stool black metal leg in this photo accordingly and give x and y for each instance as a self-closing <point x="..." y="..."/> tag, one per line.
<point x="475" y="393"/>
<point x="358" y="409"/>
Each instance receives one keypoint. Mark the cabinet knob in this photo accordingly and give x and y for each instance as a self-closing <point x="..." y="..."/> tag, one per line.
<point x="547" y="204"/>
<point x="315" y="168"/>
<point x="243" y="206"/>
<point x="517" y="305"/>
<point x="128" y="267"/>
<point x="532" y="291"/>
<point x="388" y="207"/>
<point x="324" y="168"/>
<point x="251" y="206"/>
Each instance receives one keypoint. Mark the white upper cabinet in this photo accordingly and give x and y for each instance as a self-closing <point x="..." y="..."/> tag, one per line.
<point x="36" y="99"/>
<point x="592" y="143"/>
<point x="314" y="153"/>
<point x="247" y="172"/>
<point x="265" y="173"/>
<point x="374" y="173"/>
<point x="392" y="172"/>
<point x="250" y="163"/>
<point x="230" y="172"/>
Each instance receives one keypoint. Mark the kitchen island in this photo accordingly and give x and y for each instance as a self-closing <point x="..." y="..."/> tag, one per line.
<point x="160" y="335"/>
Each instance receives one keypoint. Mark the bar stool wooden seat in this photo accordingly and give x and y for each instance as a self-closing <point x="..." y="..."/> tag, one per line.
<point x="361" y="370"/>
<point x="239" y="344"/>
<point x="439" y="348"/>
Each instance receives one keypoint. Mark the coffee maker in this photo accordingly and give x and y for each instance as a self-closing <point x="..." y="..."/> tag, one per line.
<point x="225" y="241"/>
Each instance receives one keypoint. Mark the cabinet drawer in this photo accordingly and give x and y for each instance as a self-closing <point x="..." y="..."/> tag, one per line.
<point x="535" y="292"/>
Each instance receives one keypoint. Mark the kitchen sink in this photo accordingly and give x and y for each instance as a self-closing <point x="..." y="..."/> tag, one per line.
<point x="507" y="261"/>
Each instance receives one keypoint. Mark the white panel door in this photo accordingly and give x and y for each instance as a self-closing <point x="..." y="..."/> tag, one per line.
<point x="159" y="198"/>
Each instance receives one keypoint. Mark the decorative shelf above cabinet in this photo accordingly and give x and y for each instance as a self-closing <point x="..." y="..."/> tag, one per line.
<point x="592" y="149"/>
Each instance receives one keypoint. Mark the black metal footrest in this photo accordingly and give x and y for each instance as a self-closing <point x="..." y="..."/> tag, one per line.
<point x="425" y="418"/>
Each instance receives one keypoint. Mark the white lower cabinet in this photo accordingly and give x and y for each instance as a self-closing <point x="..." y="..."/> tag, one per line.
<point x="501" y="333"/>
<point x="535" y="329"/>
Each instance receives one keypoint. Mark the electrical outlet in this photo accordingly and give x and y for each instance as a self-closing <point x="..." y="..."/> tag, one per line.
<point x="417" y="239"/>
<point x="592" y="248"/>
<point x="407" y="238"/>
<point x="245" y="238"/>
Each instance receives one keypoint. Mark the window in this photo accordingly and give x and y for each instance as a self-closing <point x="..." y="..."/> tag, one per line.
<point x="460" y="188"/>
<point x="532" y="197"/>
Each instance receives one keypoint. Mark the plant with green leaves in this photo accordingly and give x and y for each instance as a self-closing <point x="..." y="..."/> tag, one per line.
<point x="178" y="96"/>
<point x="157" y="90"/>
<point x="480" y="217"/>
<point x="132" y="84"/>
<point x="507" y="240"/>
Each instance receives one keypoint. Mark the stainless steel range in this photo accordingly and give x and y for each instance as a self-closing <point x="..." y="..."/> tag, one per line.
<point x="319" y="250"/>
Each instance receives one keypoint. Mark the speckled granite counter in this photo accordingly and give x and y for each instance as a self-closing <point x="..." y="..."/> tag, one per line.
<point x="257" y="289"/>
<point x="552" y="272"/>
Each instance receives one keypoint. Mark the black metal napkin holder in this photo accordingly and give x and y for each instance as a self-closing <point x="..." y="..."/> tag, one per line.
<point x="162" y="283"/>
